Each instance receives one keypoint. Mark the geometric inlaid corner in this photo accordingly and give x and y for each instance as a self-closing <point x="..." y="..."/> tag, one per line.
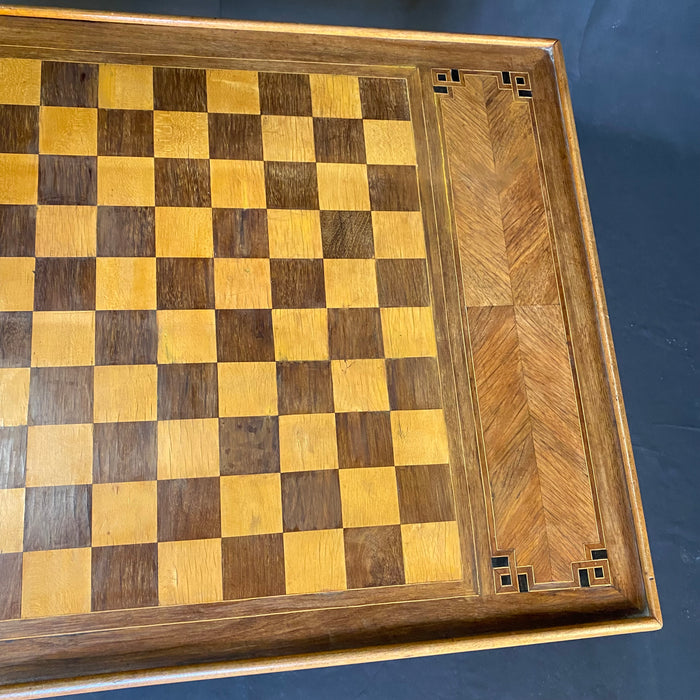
<point x="518" y="82"/>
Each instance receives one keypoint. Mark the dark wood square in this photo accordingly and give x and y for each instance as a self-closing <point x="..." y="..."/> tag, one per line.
<point x="297" y="284"/>
<point x="291" y="185"/>
<point x="393" y="188"/>
<point x="339" y="140"/>
<point x="19" y="129"/>
<point x="384" y="98"/>
<point x="187" y="391"/>
<point x="311" y="500"/>
<point x="64" y="284"/>
<point x="364" y="440"/>
<point x="17" y="230"/>
<point x="11" y="589"/>
<point x="59" y="395"/>
<point x="425" y="493"/>
<point x="182" y="182"/>
<point x="304" y="387"/>
<point x="57" y="517"/>
<point x="285" y="93"/>
<point x="126" y="232"/>
<point x="125" y="132"/>
<point x="68" y="180"/>
<point x="180" y="89"/>
<point x="355" y="334"/>
<point x="244" y="335"/>
<point x="189" y="509"/>
<point x="347" y="234"/>
<point x="374" y="556"/>
<point x="414" y="383"/>
<point x="15" y="338"/>
<point x="253" y="567"/>
<point x="126" y="338"/>
<point x="185" y="283"/>
<point x="249" y="445"/>
<point x="402" y="283"/>
<point x="240" y="233"/>
<point x="69" y="84"/>
<point x="124" y="452"/>
<point x="235" y="136"/>
<point x="13" y="456"/>
<point x="125" y="576"/>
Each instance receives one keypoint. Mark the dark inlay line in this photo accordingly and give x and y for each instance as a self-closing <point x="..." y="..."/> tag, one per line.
<point x="523" y="586"/>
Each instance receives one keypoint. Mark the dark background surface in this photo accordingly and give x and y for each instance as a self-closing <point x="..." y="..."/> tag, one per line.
<point x="634" y="75"/>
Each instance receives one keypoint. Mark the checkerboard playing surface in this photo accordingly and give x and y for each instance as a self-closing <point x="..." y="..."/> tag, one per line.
<point x="218" y="363"/>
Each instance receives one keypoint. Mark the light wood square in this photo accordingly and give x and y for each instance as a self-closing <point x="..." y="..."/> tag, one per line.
<point x="20" y="81"/>
<point x="247" y="389"/>
<point x="314" y="561"/>
<point x="63" y="338"/>
<point x="431" y="552"/>
<point x="126" y="393"/>
<point x="189" y="572"/>
<point x="335" y="96"/>
<point x="360" y="385"/>
<point x="58" y="455"/>
<point x="14" y="390"/>
<point x="56" y="582"/>
<point x="238" y="184"/>
<point x="242" y="283"/>
<point x="125" y="181"/>
<point x="188" y="449"/>
<point x="350" y="283"/>
<point x="233" y="91"/>
<point x="125" y="87"/>
<point x="420" y="437"/>
<point x="369" y="497"/>
<point x="251" y="504"/>
<point x="17" y="288"/>
<point x="288" y="138"/>
<point x="389" y="142"/>
<point x="19" y="178"/>
<point x="186" y="336"/>
<point x="343" y="186"/>
<point x="294" y="233"/>
<point x="300" y="334"/>
<point x="408" y="331"/>
<point x="180" y="135"/>
<point x="398" y="234"/>
<point x="308" y="442"/>
<point x="124" y="513"/>
<point x="125" y="283"/>
<point x="11" y="520"/>
<point x="68" y="131"/>
<point x="184" y="232"/>
<point x="66" y="231"/>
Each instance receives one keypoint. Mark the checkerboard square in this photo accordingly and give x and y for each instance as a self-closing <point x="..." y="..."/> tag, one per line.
<point x="15" y="338"/>
<point x="419" y="437"/>
<point x="240" y="233"/>
<point x="294" y="233"/>
<point x="253" y="567"/>
<point x="238" y="184"/>
<point x="124" y="513"/>
<point x="398" y="234"/>
<point x="125" y="87"/>
<point x="125" y="182"/>
<point x="57" y="517"/>
<point x="389" y="142"/>
<point x="393" y="187"/>
<point x="364" y="439"/>
<point x="58" y="455"/>
<point x="180" y="135"/>
<point x="182" y="182"/>
<point x="184" y="232"/>
<point x="374" y="556"/>
<point x="14" y="389"/>
<point x="414" y="383"/>
<point x="308" y="442"/>
<point x="124" y="452"/>
<point x="188" y="449"/>
<point x="18" y="178"/>
<point x="187" y="391"/>
<point x="249" y="445"/>
<point x="359" y="385"/>
<point x="188" y="509"/>
<point x="251" y="504"/>
<point x="408" y="332"/>
<point x="235" y="137"/>
<point x="19" y="129"/>
<point x="69" y="84"/>
<point x="288" y="138"/>
<point x="64" y="284"/>
<point x="339" y="141"/>
<point x="189" y="572"/>
<point x="68" y="180"/>
<point x="66" y="231"/>
<point x="20" y="92"/>
<point x="11" y="527"/>
<point x="125" y="577"/>
<point x="63" y="338"/>
<point x="233" y="91"/>
<point x="314" y="561"/>
<point x="126" y="337"/>
<point x="186" y="336"/>
<point x="431" y="552"/>
<point x="285" y="93"/>
<point x="425" y="493"/>
<point x="13" y="453"/>
<point x="127" y="284"/>
<point x="300" y="334"/>
<point x="125" y="393"/>
<point x="247" y="389"/>
<point x="126" y="232"/>
<point x="242" y="283"/>
<point x="335" y="96"/>
<point x="17" y="290"/>
<point x="17" y="230"/>
<point x="11" y="591"/>
<point x="350" y="283"/>
<point x="311" y="500"/>
<point x="402" y="283"/>
<point x="185" y="283"/>
<point x="60" y="395"/>
<point x="347" y="234"/>
<point x="68" y="131"/>
<point x="180" y="89"/>
<point x="369" y="497"/>
<point x="297" y="284"/>
<point x="343" y="186"/>
<point x="304" y="387"/>
<point x="244" y="335"/>
<point x="124" y="132"/>
<point x="355" y="333"/>
<point x="291" y="185"/>
<point x="384" y="98"/>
